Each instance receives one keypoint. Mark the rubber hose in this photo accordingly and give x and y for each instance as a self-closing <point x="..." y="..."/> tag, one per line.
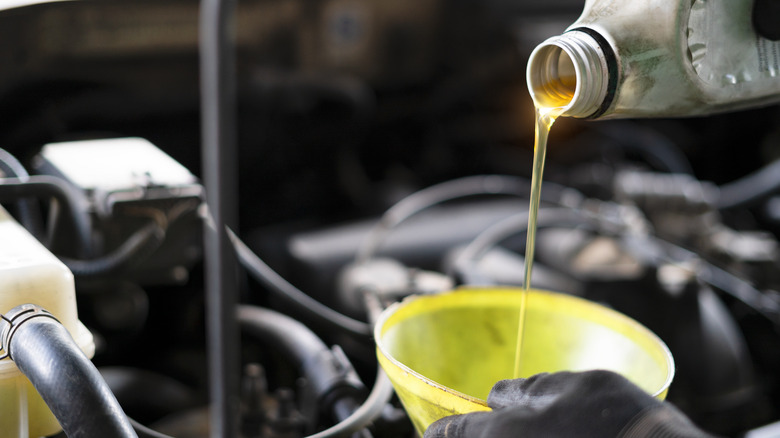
<point x="139" y="245"/>
<point x="283" y="333"/>
<point x="68" y="382"/>
<point x="298" y="342"/>
<point x="11" y="167"/>
<point x="72" y="201"/>
<point x="147" y="394"/>
<point x="327" y="371"/>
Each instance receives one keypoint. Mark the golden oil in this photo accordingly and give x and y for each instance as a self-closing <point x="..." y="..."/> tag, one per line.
<point x="550" y="102"/>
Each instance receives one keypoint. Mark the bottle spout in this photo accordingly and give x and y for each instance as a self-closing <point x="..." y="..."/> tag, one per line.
<point x="570" y="71"/>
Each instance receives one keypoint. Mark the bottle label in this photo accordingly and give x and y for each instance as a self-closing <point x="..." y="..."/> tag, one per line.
<point x="768" y="56"/>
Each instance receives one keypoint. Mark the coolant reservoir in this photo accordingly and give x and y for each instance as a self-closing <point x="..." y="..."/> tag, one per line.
<point x="29" y="273"/>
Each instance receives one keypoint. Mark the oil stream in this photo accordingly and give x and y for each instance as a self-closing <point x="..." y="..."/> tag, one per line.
<point x="545" y="117"/>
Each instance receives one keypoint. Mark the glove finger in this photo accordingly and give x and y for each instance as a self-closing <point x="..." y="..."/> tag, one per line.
<point x="543" y="389"/>
<point x="459" y="426"/>
<point x="539" y="388"/>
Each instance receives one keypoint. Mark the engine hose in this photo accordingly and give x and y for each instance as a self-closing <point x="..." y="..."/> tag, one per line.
<point x="66" y="379"/>
<point x="73" y="203"/>
<point x="327" y="371"/>
<point x="294" y="339"/>
<point x="11" y="167"/>
<point x="140" y="244"/>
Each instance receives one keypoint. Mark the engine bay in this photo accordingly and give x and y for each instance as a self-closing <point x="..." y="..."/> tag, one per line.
<point x="383" y="149"/>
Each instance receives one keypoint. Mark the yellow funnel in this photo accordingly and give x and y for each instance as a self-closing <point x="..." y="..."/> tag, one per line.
<point x="444" y="352"/>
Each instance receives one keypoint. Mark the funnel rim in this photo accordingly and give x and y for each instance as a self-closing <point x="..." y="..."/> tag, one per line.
<point x="625" y="319"/>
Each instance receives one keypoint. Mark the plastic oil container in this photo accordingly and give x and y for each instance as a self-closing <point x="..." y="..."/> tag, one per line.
<point x="29" y="273"/>
<point x="657" y="58"/>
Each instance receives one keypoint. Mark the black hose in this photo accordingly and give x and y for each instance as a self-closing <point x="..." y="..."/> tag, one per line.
<point x="72" y="201"/>
<point x="143" y="242"/>
<point x="316" y="360"/>
<point x="328" y="373"/>
<point x="281" y="332"/>
<point x="11" y="167"/>
<point x="147" y="394"/>
<point x="68" y="382"/>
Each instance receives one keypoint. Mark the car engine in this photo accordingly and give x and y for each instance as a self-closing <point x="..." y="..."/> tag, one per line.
<point x="380" y="150"/>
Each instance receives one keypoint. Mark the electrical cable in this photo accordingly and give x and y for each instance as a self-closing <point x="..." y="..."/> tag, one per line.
<point x="296" y="345"/>
<point x="145" y="432"/>
<point x="751" y="188"/>
<point x="451" y="190"/>
<point x="343" y="408"/>
<point x="382" y="390"/>
<point x="380" y="395"/>
<point x="218" y="155"/>
<point x="275" y="282"/>
<point x="11" y="166"/>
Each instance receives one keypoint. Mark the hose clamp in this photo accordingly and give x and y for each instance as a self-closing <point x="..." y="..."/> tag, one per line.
<point x="11" y="320"/>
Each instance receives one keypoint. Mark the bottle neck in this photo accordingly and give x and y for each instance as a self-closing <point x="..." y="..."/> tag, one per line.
<point x="570" y="71"/>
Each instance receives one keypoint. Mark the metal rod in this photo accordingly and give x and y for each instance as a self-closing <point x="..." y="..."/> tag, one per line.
<point x="218" y="154"/>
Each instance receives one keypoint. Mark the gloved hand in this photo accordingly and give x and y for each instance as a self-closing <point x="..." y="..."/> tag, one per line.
<point x="565" y="404"/>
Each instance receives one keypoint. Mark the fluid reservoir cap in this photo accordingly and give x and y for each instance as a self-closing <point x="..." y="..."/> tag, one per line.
<point x="114" y="164"/>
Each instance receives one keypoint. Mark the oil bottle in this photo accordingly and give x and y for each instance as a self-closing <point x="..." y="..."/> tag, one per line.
<point x="656" y="58"/>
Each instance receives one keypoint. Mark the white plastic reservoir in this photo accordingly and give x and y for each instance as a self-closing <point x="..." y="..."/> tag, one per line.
<point x="29" y="273"/>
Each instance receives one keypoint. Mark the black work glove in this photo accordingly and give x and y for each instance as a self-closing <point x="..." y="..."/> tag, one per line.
<point x="565" y="404"/>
